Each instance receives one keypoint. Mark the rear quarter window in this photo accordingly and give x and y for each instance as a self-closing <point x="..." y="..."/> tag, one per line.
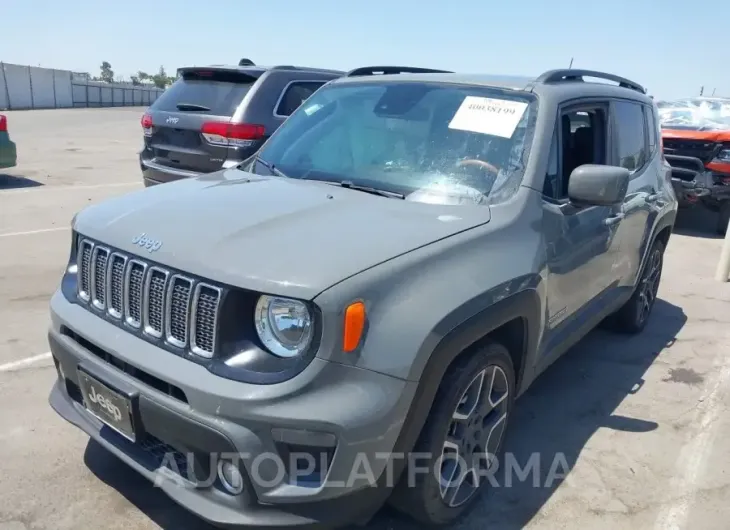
<point x="221" y="92"/>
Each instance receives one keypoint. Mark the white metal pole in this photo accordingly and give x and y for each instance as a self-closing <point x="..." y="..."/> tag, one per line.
<point x="723" y="266"/>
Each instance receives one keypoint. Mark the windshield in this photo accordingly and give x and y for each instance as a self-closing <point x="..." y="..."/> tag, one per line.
<point x="429" y="142"/>
<point x="695" y="114"/>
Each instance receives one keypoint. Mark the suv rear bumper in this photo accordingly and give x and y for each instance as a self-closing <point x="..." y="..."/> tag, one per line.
<point x="361" y="411"/>
<point x="154" y="173"/>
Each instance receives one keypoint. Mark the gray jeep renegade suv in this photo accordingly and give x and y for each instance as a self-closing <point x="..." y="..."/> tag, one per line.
<point x="361" y="302"/>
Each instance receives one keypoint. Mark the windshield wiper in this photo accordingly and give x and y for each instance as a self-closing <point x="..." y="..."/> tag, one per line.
<point x="268" y="165"/>
<point x="191" y="106"/>
<point x="368" y="189"/>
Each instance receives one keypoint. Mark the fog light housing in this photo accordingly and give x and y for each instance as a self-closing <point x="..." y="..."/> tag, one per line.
<point x="230" y="477"/>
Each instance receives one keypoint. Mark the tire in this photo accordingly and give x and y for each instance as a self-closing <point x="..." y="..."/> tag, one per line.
<point x="420" y="494"/>
<point x="635" y="313"/>
<point x="723" y="217"/>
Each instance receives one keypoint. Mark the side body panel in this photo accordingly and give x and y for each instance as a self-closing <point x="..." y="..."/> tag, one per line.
<point x="416" y="300"/>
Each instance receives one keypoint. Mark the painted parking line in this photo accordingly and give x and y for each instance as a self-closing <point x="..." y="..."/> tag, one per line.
<point x="31" y="232"/>
<point x="70" y="187"/>
<point x="15" y="365"/>
<point x="692" y="461"/>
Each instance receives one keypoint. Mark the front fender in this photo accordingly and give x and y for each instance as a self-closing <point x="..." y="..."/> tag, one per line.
<point x="417" y="300"/>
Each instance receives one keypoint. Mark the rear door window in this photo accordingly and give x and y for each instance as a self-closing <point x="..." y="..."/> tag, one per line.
<point x="216" y="93"/>
<point x="294" y="95"/>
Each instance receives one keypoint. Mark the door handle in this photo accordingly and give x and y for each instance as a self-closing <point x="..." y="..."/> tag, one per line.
<point x="613" y="219"/>
<point x="655" y="198"/>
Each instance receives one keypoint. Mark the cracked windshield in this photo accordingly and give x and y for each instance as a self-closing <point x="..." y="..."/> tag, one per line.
<point x="422" y="142"/>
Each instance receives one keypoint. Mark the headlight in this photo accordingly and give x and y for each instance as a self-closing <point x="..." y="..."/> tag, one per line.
<point x="283" y="325"/>
<point x="723" y="156"/>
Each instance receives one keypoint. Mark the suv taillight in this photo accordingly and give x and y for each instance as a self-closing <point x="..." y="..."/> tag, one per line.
<point x="232" y="134"/>
<point x="147" y="124"/>
<point x="3" y="123"/>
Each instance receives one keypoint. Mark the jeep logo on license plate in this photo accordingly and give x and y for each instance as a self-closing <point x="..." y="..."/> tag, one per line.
<point x="105" y="404"/>
<point x="108" y="405"/>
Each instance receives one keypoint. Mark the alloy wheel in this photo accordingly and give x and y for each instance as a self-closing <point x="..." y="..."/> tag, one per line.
<point x="649" y="285"/>
<point x="474" y="435"/>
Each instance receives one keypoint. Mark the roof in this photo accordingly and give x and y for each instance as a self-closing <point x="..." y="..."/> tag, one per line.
<point x="487" y="80"/>
<point x="259" y="70"/>
<point x="562" y="84"/>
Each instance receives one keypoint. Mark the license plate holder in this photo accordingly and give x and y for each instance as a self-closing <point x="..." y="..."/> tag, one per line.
<point x="112" y="407"/>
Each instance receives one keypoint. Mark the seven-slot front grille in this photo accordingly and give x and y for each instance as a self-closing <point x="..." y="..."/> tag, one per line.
<point x="162" y="305"/>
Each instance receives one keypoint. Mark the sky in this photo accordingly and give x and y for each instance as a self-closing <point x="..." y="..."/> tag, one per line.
<point x="671" y="47"/>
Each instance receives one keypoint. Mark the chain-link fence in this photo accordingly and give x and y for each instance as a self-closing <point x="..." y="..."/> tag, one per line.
<point x="30" y="87"/>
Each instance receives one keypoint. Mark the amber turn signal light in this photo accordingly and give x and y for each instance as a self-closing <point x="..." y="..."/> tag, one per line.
<point x="354" y="326"/>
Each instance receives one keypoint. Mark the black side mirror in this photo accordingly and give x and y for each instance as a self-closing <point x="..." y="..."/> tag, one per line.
<point x="595" y="185"/>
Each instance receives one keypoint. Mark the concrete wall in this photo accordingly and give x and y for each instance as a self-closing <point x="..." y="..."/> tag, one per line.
<point x="30" y="87"/>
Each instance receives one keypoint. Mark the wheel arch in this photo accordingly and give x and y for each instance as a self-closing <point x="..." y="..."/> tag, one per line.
<point x="515" y="321"/>
<point x="664" y="228"/>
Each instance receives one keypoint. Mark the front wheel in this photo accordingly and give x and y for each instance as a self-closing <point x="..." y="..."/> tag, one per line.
<point x="461" y="439"/>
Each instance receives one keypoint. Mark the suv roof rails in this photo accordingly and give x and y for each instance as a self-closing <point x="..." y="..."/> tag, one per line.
<point x="570" y="74"/>
<point x="376" y="70"/>
<point x="304" y="69"/>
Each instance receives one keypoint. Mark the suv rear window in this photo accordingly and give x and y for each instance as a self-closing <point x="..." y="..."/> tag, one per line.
<point x="219" y="91"/>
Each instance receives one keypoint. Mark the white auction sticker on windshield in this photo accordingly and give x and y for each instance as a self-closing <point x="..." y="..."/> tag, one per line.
<point x="496" y="117"/>
<point x="312" y="109"/>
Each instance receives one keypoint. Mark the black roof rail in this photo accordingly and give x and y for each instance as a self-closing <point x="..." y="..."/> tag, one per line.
<point x="571" y="74"/>
<point x="306" y="69"/>
<point x="378" y="70"/>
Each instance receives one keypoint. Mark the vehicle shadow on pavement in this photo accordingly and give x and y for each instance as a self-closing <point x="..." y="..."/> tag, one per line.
<point x="14" y="182"/>
<point x="139" y="491"/>
<point x="550" y="427"/>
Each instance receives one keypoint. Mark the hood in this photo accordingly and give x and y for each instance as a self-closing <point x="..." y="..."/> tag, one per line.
<point x="700" y="118"/>
<point x="708" y="136"/>
<point x="270" y="234"/>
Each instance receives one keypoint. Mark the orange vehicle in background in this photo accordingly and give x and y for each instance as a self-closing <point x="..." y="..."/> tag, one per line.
<point x="696" y="138"/>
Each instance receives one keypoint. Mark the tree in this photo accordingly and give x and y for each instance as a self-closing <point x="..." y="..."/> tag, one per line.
<point x="107" y="74"/>
<point x="161" y="79"/>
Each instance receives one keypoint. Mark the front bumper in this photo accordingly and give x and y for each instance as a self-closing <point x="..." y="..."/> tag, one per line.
<point x="185" y="410"/>
<point x="694" y="183"/>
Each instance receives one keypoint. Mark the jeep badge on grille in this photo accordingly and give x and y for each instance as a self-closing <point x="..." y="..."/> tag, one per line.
<point x="151" y="245"/>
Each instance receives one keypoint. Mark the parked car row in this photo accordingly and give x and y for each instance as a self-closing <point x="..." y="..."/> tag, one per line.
<point x="359" y="294"/>
<point x="216" y="117"/>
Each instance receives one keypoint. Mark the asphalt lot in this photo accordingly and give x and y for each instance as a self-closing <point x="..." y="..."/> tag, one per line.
<point x="640" y="422"/>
